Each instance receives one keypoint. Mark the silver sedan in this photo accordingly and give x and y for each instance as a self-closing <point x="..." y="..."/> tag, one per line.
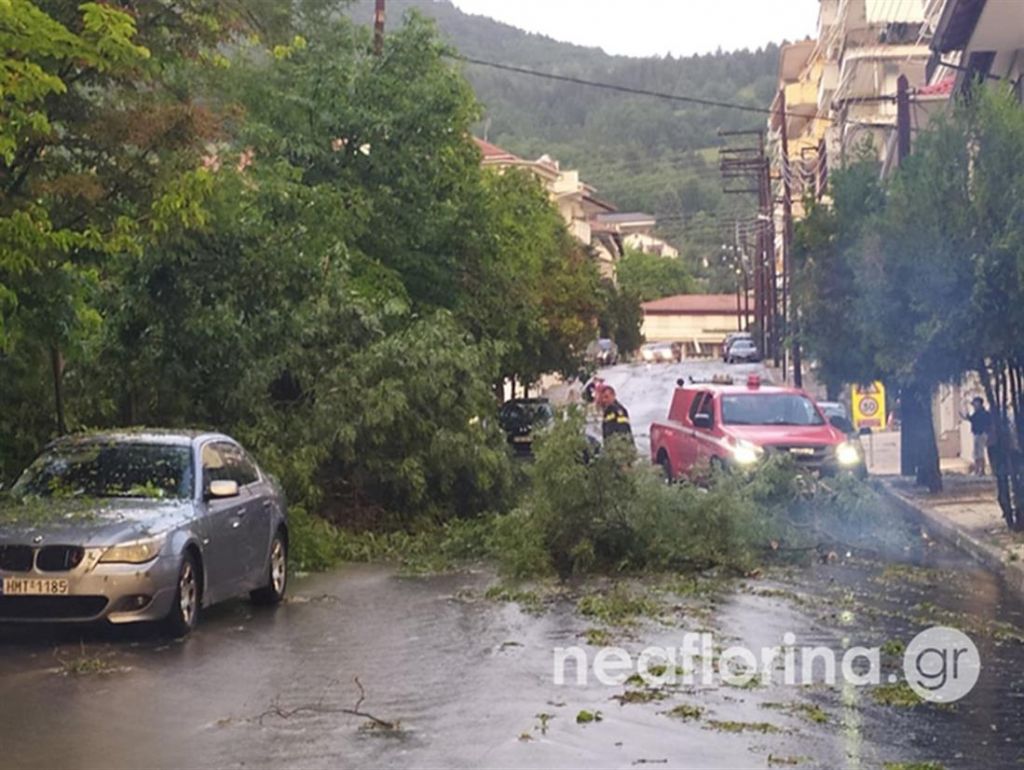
<point x="140" y="526"/>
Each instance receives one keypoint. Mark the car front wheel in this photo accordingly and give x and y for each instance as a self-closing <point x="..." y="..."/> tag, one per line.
<point x="184" y="613"/>
<point x="277" y="573"/>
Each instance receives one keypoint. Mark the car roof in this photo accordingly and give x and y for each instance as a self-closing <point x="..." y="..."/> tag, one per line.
<point x="141" y="435"/>
<point x="743" y="389"/>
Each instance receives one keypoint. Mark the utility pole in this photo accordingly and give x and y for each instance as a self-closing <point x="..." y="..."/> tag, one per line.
<point x="902" y="119"/>
<point x="740" y="271"/>
<point x="746" y="282"/>
<point x="908" y="460"/>
<point x="790" y="314"/>
<point x="749" y="164"/>
<point x="378" y="28"/>
<point x="919" y="452"/>
<point x="766" y="233"/>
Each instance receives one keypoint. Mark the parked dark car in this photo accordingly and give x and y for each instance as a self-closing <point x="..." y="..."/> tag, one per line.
<point x="731" y="338"/>
<point x="836" y="413"/>
<point x="140" y="526"/>
<point x="520" y="418"/>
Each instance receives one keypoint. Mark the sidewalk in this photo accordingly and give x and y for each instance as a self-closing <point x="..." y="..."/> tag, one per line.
<point x="966" y="514"/>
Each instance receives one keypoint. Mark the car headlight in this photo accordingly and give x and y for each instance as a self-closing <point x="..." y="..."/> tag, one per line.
<point x="136" y="552"/>
<point x="848" y="454"/>
<point x="648" y="355"/>
<point x="745" y="453"/>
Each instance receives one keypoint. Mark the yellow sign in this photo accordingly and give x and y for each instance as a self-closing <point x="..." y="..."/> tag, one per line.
<point x="869" y="406"/>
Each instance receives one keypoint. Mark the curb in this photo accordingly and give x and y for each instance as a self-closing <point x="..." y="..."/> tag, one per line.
<point x="989" y="556"/>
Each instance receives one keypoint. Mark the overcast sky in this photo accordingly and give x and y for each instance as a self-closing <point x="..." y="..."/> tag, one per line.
<point x="657" y="27"/>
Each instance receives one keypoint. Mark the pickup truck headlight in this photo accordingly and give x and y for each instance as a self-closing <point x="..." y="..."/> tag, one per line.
<point x="136" y="552"/>
<point x="848" y="454"/>
<point x="745" y="453"/>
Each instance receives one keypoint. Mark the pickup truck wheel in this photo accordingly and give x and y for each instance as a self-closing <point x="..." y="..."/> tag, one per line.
<point x="666" y="468"/>
<point x="718" y="465"/>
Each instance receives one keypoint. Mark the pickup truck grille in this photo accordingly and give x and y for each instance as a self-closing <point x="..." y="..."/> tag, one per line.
<point x="811" y="455"/>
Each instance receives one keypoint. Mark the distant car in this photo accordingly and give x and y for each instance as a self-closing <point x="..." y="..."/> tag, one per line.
<point x="603" y="352"/>
<point x="140" y="526"/>
<point x="836" y="413"/>
<point x="521" y="418"/>
<point x="661" y="352"/>
<point x="742" y="350"/>
<point x="731" y="338"/>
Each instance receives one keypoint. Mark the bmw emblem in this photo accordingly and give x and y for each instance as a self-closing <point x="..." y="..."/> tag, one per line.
<point x="37" y="539"/>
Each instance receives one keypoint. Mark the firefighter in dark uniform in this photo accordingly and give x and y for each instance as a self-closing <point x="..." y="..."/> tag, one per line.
<point x="616" y="419"/>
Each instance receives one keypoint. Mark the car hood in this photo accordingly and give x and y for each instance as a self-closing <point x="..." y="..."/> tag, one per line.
<point x="787" y="435"/>
<point x="88" y="521"/>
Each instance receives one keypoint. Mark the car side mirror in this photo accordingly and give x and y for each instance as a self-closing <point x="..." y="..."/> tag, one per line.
<point x="702" y="421"/>
<point x="221" y="488"/>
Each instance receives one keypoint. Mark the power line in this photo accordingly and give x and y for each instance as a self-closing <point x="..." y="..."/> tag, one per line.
<point x="624" y="89"/>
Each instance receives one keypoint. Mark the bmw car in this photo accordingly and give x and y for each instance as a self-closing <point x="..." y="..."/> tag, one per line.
<point x="138" y="526"/>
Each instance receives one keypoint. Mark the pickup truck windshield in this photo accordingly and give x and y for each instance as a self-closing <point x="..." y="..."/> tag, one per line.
<point x="769" y="409"/>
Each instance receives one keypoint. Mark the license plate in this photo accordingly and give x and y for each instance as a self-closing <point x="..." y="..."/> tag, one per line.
<point x="34" y="587"/>
<point x="801" y="450"/>
<point x="521" y="440"/>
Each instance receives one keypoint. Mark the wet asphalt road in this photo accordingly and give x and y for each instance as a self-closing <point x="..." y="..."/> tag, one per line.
<point x="467" y="677"/>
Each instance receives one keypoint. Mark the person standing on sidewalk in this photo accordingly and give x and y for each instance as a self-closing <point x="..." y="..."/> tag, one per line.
<point x="981" y="426"/>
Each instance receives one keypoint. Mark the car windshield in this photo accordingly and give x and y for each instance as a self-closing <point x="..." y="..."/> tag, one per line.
<point x="769" y="409"/>
<point x="520" y="414"/>
<point x="109" y="469"/>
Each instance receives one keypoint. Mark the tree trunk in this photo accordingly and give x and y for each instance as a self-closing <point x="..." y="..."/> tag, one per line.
<point x="909" y="422"/>
<point x="57" y="365"/>
<point x="919" y="451"/>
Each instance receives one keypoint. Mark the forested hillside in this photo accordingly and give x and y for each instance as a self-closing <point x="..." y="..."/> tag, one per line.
<point x="640" y="152"/>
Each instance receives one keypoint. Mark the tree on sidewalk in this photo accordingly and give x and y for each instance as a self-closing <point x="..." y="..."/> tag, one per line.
<point x="923" y="280"/>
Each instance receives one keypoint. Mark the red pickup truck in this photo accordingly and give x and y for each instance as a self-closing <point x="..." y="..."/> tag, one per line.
<point x="725" y="425"/>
